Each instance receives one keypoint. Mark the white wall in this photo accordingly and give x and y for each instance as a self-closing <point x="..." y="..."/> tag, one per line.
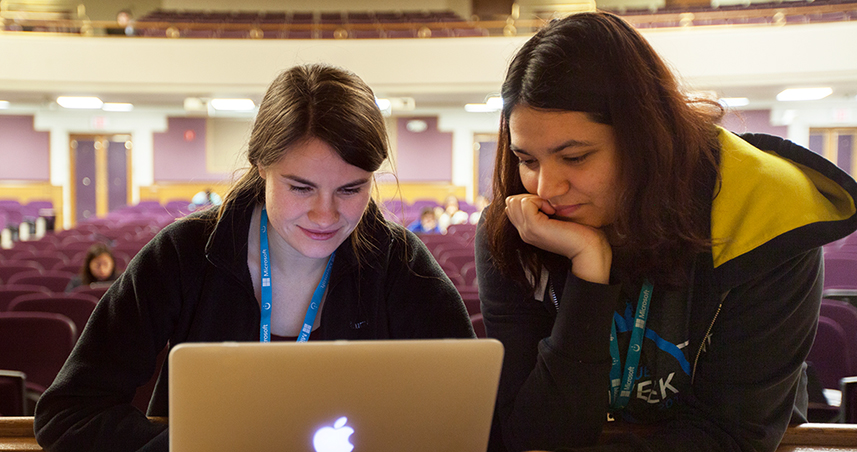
<point x="61" y="124"/>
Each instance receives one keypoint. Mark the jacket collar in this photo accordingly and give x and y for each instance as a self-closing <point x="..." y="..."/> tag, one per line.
<point x="774" y="201"/>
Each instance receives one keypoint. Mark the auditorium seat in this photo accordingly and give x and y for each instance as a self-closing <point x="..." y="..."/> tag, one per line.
<point x="11" y="267"/>
<point x="9" y="292"/>
<point x="53" y="280"/>
<point x="37" y="245"/>
<point x="97" y="290"/>
<point x="840" y="270"/>
<point x="468" y="272"/>
<point x="37" y="344"/>
<point x="13" y="390"/>
<point x="76" y="306"/>
<point x="47" y="259"/>
<point x="831" y="353"/>
<point x="456" y="258"/>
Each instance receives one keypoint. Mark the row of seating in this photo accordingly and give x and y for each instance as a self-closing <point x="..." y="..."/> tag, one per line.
<point x="299" y="17"/>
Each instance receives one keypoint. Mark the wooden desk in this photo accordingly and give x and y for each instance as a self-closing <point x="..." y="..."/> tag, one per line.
<point x="16" y="434"/>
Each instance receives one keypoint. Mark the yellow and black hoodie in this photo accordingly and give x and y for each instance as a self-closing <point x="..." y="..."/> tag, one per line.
<point x="722" y="365"/>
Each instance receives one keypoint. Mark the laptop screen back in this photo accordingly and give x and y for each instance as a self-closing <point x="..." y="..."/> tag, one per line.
<point x="416" y="395"/>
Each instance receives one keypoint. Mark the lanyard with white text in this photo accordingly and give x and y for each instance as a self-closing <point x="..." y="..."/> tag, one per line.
<point x="267" y="297"/>
<point x="621" y="385"/>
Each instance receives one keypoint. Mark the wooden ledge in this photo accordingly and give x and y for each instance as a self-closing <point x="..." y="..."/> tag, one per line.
<point x="16" y="433"/>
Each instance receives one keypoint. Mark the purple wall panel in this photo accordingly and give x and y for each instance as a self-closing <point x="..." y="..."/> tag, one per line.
<point x="28" y="151"/>
<point x="754" y="121"/>
<point x="84" y="164"/>
<point x="487" y="154"/>
<point x="179" y="153"/>
<point x="816" y="143"/>
<point x="844" y="152"/>
<point x="423" y="156"/>
<point x="117" y="175"/>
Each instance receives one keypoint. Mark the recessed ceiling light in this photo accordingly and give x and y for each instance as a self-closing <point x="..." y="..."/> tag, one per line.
<point x="804" y="94"/>
<point x="91" y="103"/>
<point x="4" y="104"/>
<point x="117" y="106"/>
<point x="233" y="104"/>
<point x="416" y="126"/>
<point x="733" y="101"/>
<point x="495" y="102"/>
<point x="383" y="104"/>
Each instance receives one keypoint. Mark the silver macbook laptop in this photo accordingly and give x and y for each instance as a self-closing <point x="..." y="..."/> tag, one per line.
<point x="341" y="396"/>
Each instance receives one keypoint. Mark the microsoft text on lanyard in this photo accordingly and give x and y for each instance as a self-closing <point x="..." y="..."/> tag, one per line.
<point x="621" y="385"/>
<point x="267" y="297"/>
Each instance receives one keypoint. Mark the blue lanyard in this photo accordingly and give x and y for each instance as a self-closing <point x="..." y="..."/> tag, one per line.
<point x="267" y="297"/>
<point x="621" y="385"/>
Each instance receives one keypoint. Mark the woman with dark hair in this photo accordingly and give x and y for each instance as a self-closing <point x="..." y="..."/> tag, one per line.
<point x="99" y="265"/>
<point x="297" y="251"/>
<point x="641" y="264"/>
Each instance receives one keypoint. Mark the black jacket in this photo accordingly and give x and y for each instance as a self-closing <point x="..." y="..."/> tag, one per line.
<point x="191" y="284"/>
<point x="724" y="369"/>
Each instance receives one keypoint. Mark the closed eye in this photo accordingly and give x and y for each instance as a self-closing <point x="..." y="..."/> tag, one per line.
<point x="576" y="158"/>
<point x="525" y="160"/>
<point x="350" y="190"/>
<point x="300" y="188"/>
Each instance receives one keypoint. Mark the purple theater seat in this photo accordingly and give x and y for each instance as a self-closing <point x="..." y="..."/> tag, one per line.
<point x="46" y="259"/>
<point x="840" y="270"/>
<point x="9" y="292"/>
<point x="76" y="306"/>
<point x="97" y="290"/>
<point x="468" y="272"/>
<point x="13" y="390"/>
<point x="12" y="267"/>
<point x="35" y="343"/>
<point x="53" y="280"/>
<point x="831" y="353"/>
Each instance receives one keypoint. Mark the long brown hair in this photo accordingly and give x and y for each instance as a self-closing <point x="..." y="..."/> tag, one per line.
<point x="97" y="249"/>
<point x="315" y="101"/>
<point x="598" y="64"/>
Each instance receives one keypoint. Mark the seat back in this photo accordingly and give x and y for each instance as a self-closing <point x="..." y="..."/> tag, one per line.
<point x="13" y="398"/>
<point x="840" y="270"/>
<point x="53" y="280"/>
<point x="77" y="307"/>
<point x="12" y="267"/>
<point x="97" y="290"/>
<point x="831" y="353"/>
<point x="35" y="343"/>
<point x="9" y="292"/>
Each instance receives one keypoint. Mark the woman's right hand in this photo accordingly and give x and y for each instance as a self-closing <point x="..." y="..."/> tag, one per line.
<point x="587" y="247"/>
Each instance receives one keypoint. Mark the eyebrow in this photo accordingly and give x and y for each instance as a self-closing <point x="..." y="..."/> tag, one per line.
<point x="568" y="144"/>
<point x="303" y="181"/>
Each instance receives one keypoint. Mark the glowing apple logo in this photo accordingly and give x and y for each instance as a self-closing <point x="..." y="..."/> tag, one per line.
<point x="333" y="439"/>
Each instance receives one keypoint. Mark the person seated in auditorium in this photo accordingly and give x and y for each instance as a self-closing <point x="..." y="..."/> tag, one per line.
<point x="451" y="214"/>
<point x="426" y="224"/>
<point x="297" y="251"/>
<point x="99" y="266"/>
<point x="641" y="264"/>
<point x="204" y="199"/>
<point x="480" y="204"/>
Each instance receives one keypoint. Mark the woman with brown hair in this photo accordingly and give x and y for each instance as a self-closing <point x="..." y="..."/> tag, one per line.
<point x="99" y="266"/>
<point x="640" y="263"/>
<point x="297" y="251"/>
